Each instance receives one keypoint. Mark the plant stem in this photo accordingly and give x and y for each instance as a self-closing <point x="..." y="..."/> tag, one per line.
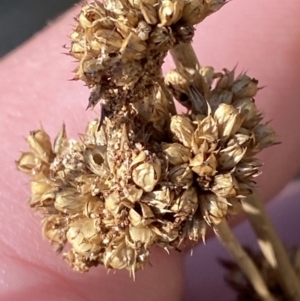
<point x="271" y="246"/>
<point x="243" y="260"/>
<point x="185" y="57"/>
<point x="169" y="98"/>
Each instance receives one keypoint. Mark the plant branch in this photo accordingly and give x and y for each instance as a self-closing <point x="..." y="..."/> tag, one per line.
<point x="243" y="260"/>
<point x="185" y="57"/>
<point x="271" y="246"/>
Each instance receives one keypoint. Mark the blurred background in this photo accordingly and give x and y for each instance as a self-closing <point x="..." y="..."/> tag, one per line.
<point x="20" y="19"/>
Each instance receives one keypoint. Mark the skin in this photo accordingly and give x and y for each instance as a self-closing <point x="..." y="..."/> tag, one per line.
<point x="263" y="38"/>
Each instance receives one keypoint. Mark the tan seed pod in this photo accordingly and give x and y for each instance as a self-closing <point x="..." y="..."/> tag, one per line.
<point x="121" y="257"/>
<point x="70" y="201"/>
<point x="253" y="116"/>
<point x="160" y="112"/>
<point x="207" y="129"/>
<point x="142" y="235"/>
<point x="195" y="11"/>
<point x="40" y="144"/>
<point x="131" y="20"/>
<point x="213" y="208"/>
<point x="247" y="167"/>
<point x="207" y="73"/>
<point x="229" y="120"/>
<point x="170" y="12"/>
<point x="89" y="228"/>
<point x="181" y="176"/>
<point x="244" y="138"/>
<point x="96" y="135"/>
<point x="93" y="208"/>
<point x="244" y="87"/>
<point x="27" y="163"/>
<point x="132" y="193"/>
<point x="95" y="159"/>
<point x="140" y="220"/>
<point x="47" y="200"/>
<point x="77" y="240"/>
<point x="61" y="140"/>
<point x="40" y="185"/>
<point x="35" y="201"/>
<point x="146" y="211"/>
<point x="224" y="185"/>
<point x="146" y="173"/>
<point x="135" y="218"/>
<point x="187" y="202"/>
<point x="54" y="229"/>
<point x="179" y="82"/>
<point x="182" y="129"/>
<point x="230" y="156"/>
<point x="83" y="21"/>
<point x="176" y="153"/>
<point x="203" y="165"/>
<point x="166" y="233"/>
<point x="159" y="200"/>
<point x="112" y="202"/>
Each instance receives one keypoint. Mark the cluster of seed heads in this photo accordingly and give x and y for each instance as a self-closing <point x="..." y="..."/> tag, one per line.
<point x="146" y="175"/>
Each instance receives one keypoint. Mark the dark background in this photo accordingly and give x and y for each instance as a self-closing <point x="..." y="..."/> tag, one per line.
<point x="20" y="19"/>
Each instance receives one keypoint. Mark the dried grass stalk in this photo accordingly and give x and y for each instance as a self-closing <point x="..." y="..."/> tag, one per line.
<point x="271" y="246"/>
<point x="243" y="260"/>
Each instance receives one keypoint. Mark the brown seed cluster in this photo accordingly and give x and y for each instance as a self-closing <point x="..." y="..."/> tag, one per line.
<point x="118" y="191"/>
<point x="121" y="44"/>
<point x="146" y="175"/>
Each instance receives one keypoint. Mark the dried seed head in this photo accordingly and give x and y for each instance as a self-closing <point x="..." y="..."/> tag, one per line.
<point x="121" y="45"/>
<point x="145" y="175"/>
<point x="195" y="11"/>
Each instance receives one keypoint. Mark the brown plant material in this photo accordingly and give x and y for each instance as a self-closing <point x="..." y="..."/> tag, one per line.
<point x="245" y="263"/>
<point x="145" y="175"/>
<point x="237" y="281"/>
<point x="271" y="246"/>
<point x="137" y="182"/>
<point x="121" y="44"/>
